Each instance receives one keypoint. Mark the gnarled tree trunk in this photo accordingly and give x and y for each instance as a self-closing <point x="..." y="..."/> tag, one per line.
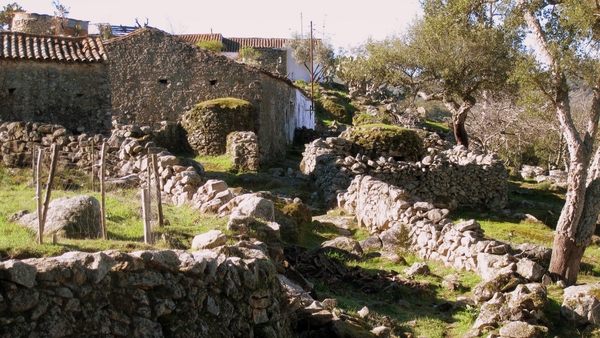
<point x="578" y="218"/>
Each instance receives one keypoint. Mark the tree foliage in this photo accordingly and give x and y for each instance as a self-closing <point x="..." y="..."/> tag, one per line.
<point x="7" y="14"/>
<point x="249" y="55"/>
<point x="322" y="53"/>
<point x="449" y="55"/>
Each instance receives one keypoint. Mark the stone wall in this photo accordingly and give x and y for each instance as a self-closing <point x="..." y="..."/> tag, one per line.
<point x="450" y="179"/>
<point x="157" y="77"/>
<point x="144" y="294"/>
<point x="272" y="60"/>
<point x="76" y="95"/>
<point x="513" y="289"/>
<point x="33" y="23"/>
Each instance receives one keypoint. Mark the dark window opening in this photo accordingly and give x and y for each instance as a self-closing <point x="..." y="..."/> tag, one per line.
<point x="163" y="81"/>
<point x="213" y="82"/>
<point x="11" y="90"/>
<point x="79" y="94"/>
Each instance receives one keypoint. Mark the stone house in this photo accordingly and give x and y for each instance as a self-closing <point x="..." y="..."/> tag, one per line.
<point x="274" y="54"/>
<point x="144" y="77"/>
<point x="52" y="79"/>
<point x="157" y="77"/>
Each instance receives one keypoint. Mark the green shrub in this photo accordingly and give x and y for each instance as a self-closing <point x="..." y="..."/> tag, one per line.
<point x="215" y="46"/>
<point x="545" y="186"/>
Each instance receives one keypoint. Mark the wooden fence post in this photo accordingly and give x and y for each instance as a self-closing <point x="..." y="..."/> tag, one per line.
<point x="146" y="217"/>
<point x="49" y="183"/>
<point x="158" y="190"/>
<point x="38" y="190"/>
<point x="102" y="192"/>
<point x="92" y="165"/>
<point x="33" y="167"/>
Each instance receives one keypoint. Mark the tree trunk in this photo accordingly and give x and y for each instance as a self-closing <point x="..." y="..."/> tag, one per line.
<point x="460" y="133"/>
<point x="566" y="259"/>
<point x="577" y="219"/>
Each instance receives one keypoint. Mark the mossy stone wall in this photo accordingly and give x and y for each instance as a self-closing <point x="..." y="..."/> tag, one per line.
<point x="208" y="124"/>
<point x="387" y="141"/>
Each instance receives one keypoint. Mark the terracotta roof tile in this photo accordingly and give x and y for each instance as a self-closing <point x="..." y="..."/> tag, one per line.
<point x="233" y="45"/>
<point x="194" y="38"/>
<point x="50" y="48"/>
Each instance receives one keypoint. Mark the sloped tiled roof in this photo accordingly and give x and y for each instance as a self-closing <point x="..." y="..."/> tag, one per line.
<point x="194" y="38"/>
<point x="233" y="45"/>
<point x="50" y="48"/>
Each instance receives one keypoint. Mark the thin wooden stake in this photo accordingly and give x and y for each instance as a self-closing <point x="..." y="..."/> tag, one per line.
<point x="146" y="217"/>
<point x="92" y="165"/>
<point x="102" y="192"/>
<point x="158" y="197"/>
<point x="40" y="238"/>
<point x="49" y="183"/>
<point x="33" y="173"/>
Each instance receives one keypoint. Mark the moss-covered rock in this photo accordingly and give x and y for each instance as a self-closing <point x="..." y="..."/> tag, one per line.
<point x="383" y="140"/>
<point x="208" y="123"/>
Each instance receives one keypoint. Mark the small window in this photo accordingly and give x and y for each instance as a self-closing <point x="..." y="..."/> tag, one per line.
<point x="79" y="95"/>
<point x="213" y="82"/>
<point x="163" y="81"/>
<point x="11" y="91"/>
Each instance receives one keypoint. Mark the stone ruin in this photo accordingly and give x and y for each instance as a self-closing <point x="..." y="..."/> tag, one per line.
<point x="209" y="123"/>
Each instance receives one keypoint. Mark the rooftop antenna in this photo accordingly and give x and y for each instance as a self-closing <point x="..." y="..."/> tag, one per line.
<point x="324" y="16"/>
<point x="301" y="26"/>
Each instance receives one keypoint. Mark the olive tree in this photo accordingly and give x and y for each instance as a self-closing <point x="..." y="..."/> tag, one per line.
<point x="323" y="57"/>
<point x="567" y="35"/>
<point x="442" y="56"/>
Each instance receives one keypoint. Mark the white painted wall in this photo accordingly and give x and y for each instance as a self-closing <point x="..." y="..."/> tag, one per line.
<point x="296" y="71"/>
<point x="300" y="115"/>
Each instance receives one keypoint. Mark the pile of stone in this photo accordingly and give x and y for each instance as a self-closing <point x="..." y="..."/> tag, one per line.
<point x="452" y="178"/>
<point x="400" y="221"/>
<point x="556" y="177"/>
<point x="242" y="148"/>
<point x="145" y="294"/>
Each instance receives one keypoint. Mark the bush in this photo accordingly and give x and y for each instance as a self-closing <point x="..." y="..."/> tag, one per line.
<point x="215" y="46"/>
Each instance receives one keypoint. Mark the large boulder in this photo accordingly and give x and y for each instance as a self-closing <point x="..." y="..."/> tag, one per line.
<point x="75" y="217"/>
<point x="250" y="205"/>
<point x="581" y="305"/>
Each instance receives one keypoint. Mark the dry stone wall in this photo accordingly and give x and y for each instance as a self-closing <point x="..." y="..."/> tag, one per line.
<point x="144" y="294"/>
<point x="513" y="290"/>
<point x="128" y="155"/>
<point x="451" y="178"/>
<point x="76" y="95"/>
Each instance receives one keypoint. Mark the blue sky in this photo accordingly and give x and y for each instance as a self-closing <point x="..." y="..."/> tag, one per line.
<point x="343" y="23"/>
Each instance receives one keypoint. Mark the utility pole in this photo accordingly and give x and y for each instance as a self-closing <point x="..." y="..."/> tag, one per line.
<point x="312" y="73"/>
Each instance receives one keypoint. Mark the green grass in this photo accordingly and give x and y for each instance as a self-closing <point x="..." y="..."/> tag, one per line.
<point x="314" y="233"/>
<point x="437" y="126"/>
<point x="123" y="222"/>
<point x="215" y="163"/>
